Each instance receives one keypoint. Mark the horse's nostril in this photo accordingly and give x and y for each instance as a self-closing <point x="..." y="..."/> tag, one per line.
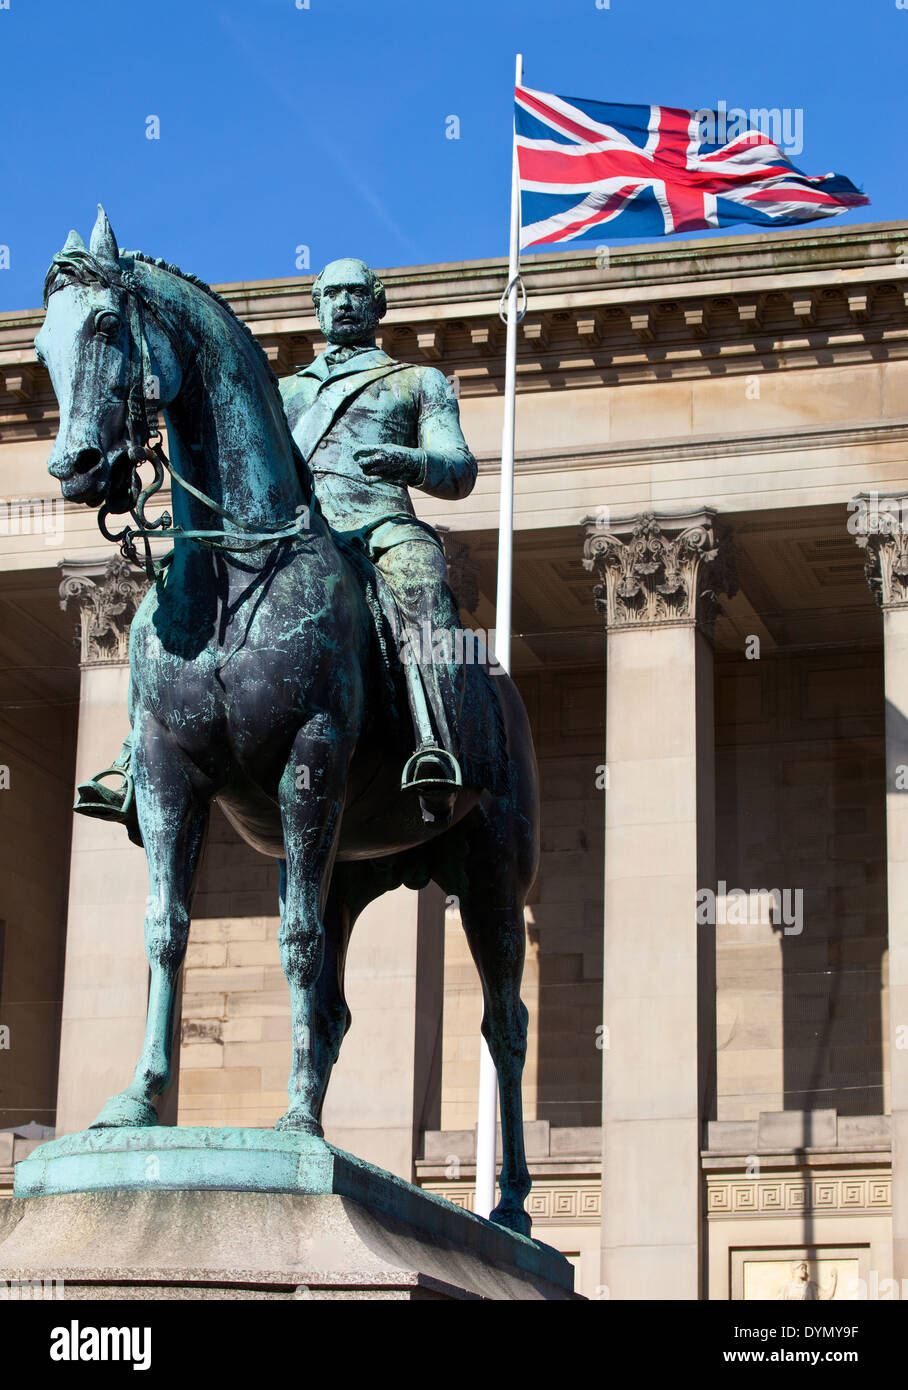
<point x="86" y="460"/>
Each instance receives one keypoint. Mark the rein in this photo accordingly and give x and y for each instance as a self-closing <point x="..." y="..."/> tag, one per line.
<point x="145" y="444"/>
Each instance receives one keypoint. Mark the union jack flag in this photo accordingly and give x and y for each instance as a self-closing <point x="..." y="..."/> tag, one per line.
<point x="651" y="170"/>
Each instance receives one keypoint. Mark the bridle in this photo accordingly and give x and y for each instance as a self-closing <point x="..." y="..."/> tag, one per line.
<point x="146" y="444"/>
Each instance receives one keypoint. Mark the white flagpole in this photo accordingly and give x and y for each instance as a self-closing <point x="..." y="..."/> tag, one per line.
<point x="487" y="1121"/>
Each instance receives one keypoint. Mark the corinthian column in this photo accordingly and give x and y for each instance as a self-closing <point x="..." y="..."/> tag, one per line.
<point x="658" y="579"/>
<point x="878" y="527"/>
<point x="105" y="985"/>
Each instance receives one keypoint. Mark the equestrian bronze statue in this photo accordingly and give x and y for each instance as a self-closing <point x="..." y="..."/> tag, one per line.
<point x="298" y="656"/>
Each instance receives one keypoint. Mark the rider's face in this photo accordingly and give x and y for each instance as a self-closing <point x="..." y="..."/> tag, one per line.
<point x="346" y="311"/>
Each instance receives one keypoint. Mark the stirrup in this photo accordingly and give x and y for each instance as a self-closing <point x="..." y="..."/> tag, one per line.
<point x="106" y="803"/>
<point x="444" y="785"/>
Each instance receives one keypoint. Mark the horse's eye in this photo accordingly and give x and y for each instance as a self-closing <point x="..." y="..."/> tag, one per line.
<point x="107" y="324"/>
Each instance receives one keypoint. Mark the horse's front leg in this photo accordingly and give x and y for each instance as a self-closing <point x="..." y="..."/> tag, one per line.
<point x="311" y="796"/>
<point x="173" y="815"/>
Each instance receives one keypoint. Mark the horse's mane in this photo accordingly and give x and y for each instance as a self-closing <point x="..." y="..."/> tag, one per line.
<point x="77" y="263"/>
<point x="219" y="299"/>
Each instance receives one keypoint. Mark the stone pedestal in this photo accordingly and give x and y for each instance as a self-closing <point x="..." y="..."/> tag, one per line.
<point x="233" y="1213"/>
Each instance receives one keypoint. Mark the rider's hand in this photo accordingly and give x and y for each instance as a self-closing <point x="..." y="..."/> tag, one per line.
<point x="394" y="463"/>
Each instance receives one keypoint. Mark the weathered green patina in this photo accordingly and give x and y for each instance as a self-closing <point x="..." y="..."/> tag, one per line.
<point x="261" y="674"/>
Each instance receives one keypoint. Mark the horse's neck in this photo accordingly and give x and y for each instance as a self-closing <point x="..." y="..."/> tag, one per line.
<point x="241" y="483"/>
<point x="228" y="437"/>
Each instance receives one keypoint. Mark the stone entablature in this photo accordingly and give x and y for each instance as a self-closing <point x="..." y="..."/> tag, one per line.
<point x="744" y="300"/>
<point x="659" y="569"/>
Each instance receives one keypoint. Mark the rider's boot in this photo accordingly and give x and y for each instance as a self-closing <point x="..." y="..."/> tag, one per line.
<point x="435" y="681"/>
<point x="433" y="771"/>
<point x="116" y="803"/>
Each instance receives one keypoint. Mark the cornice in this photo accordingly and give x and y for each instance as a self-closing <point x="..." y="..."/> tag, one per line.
<point x="666" y="311"/>
<point x="791" y="251"/>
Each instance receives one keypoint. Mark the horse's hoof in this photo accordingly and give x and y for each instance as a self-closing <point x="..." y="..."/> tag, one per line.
<point x="512" y="1220"/>
<point x="301" y="1122"/>
<point x="126" y="1112"/>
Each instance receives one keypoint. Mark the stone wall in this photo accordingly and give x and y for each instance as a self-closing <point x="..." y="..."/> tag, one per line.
<point x="235" y="1054"/>
<point x="563" y="975"/>
<point x="800" y="792"/>
<point x="799" y="742"/>
<point x="37" y="745"/>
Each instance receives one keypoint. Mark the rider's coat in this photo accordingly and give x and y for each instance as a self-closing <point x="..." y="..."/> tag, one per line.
<point x="336" y="407"/>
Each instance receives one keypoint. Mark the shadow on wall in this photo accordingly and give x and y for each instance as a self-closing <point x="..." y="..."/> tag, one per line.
<point x="801" y="807"/>
<point x="833" y="973"/>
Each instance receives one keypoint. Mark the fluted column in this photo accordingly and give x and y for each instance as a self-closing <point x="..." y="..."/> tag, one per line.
<point x="658" y="577"/>
<point x="105" y="984"/>
<point x="879" y="528"/>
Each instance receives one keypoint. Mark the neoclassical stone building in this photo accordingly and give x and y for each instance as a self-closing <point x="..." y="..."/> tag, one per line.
<point x="717" y="968"/>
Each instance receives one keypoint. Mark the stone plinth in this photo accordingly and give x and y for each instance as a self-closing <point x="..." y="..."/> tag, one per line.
<point x="232" y="1213"/>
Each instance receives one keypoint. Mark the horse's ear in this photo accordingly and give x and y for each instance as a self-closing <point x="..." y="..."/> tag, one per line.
<point x="74" y="242"/>
<point x="103" y="242"/>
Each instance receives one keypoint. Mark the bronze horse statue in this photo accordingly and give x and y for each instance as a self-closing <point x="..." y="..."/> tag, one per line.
<point x="257" y="678"/>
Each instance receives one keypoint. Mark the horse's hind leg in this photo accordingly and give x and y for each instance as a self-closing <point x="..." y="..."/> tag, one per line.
<point x="173" y="815"/>
<point x="497" y="939"/>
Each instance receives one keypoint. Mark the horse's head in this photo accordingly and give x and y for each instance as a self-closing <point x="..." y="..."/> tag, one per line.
<point x="111" y="362"/>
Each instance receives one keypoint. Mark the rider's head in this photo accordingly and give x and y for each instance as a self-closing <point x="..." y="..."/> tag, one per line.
<point x="349" y="300"/>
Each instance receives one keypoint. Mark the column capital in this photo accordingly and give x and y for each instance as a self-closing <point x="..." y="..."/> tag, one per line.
<point x="108" y="592"/>
<point x="879" y="524"/>
<point x="659" y="568"/>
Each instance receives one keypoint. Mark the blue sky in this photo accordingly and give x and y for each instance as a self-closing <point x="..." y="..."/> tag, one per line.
<point x="325" y="126"/>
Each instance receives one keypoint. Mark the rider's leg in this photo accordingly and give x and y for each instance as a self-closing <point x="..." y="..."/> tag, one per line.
<point x="417" y="576"/>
